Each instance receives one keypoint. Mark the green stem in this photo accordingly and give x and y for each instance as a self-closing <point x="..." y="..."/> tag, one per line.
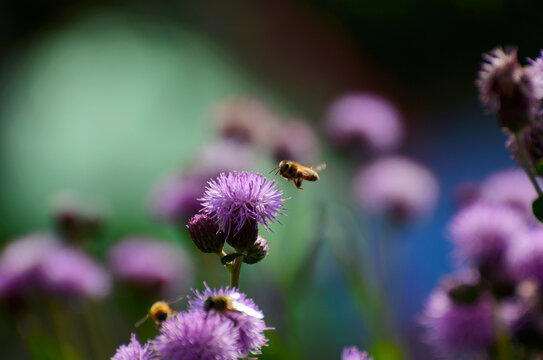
<point x="235" y="271"/>
<point x="525" y="163"/>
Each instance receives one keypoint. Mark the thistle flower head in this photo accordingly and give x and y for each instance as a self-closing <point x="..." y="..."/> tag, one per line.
<point x="151" y="264"/>
<point x="134" y="351"/>
<point x="507" y="89"/>
<point x="364" y="119"/>
<point x="196" y="335"/>
<point x="70" y="272"/>
<point x="250" y="328"/>
<point x="205" y="234"/>
<point x="482" y="231"/>
<point x="21" y="260"/>
<point x="352" y="353"/>
<point x="454" y="327"/>
<point x="237" y="197"/>
<point x="510" y="187"/>
<point x="525" y="256"/>
<point x="257" y="252"/>
<point x="536" y="73"/>
<point x="396" y="186"/>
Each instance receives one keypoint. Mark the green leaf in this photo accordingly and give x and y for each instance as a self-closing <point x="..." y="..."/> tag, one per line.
<point x="230" y="257"/>
<point x="537" y="208"/>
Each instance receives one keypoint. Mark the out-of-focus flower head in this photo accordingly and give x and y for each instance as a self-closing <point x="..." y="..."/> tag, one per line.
<point x="397" y="187"/>
<point x="151" y="263"/>
<point x="511" y="187"/>
<point x="250" y="328"/>
<point x="525" y="256"/>
<point x="482" y="231"/>
<point x="352" y="353"/>
<point x="21" y="260"/>
<point x="532" y="139"/>
<point x="175" y="198"/>
<point x="296" y="140"/>
<point x="466" y="193"/>
<point x="246" y="120"/>
<point x="134" y="351"/>
<point x="77" y="218"/>
<point x="507" y="89"/>
<point x="69" y="272"/>
<point x="455" y="327"/>
<point x="364" y="119"/>
<point x="236" y="198"/>
<point x="197" y="335"/>
<point x="535" y="70"/>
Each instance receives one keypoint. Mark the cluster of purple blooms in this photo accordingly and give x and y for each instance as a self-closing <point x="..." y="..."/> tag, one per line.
<point x="391" y="185"/>
<point x="202" y="333"/>
<point x="497" y="295"/>
<point x="56" y="264"/>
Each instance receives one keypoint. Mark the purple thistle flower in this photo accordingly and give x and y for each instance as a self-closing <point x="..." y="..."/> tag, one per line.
<point x="535" y="70"/>
<point x="21" y="260"/>
<point x="152" y="264"/>
<point x="508" y="89"/>
<point x="482" y="231"/>
<point x="364" y="119"/>
<point x="304" y="149"/>
<point x="352" y="353"/>
<point x="396" y="186"/>
<point x="70" y="272"/>
<point x="238" y="197"/>
<point x="511" y="187"/>
<point x="525" y="256"/>
<point x="134" y="351"/>
<point x="197" y="335"/>
<point x="454" y="327"/>
<point x="250" y="328"/>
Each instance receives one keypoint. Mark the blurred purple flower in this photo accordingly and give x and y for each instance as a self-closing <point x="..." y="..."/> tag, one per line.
<point x="352" y="353"/>
<point x="511" y="187"/>
<point x="21" y="260"/>
<point x="296" y="141"/>
<point x="69" y="272"/>
<point x="396" y="186"/>
<point x="454" y="327"/>
<point x="152" y="263"/>
<point x="250" y="328"/>
<point x="197" y="335"/>
<point x="482" y="231"/>
<point x="535" y="70"/>
<point x="364" y="119"/>
<point x="238" y="197"/>
<point x="525" y="256"/>
<point x="133" y="351"/>
<point x="175" y="198"/>
<point x="245" y="119"/>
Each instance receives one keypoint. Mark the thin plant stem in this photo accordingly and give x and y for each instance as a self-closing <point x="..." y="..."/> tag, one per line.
<point x="235" y="271"/>
<point x="524" y="162"/>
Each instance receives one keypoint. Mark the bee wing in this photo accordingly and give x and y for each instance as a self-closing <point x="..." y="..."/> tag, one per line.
<point x="141" y="321"/>
<point x="234" y="295"/>
<point x="247" y="310"/>
<point x="319" y="167"/>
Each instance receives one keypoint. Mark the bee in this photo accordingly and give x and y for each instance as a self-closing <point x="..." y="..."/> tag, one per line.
<point x="223" y="304"/>
<point x="160" y="311"/>
<point x="291" y="170"/>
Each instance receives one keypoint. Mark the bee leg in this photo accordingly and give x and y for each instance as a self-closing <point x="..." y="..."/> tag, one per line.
<point x="298" y="183"/>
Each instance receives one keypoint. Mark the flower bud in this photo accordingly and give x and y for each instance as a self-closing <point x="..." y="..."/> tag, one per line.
<point x="205" y="234"/>
<point x="257" y="252"/>
<point x="245" y="237"/>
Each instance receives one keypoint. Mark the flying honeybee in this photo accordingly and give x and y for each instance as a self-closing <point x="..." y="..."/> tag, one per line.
<point x="226" y="303"/>
<point x="291" y="170"/>
<point x="160" y="311"/>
